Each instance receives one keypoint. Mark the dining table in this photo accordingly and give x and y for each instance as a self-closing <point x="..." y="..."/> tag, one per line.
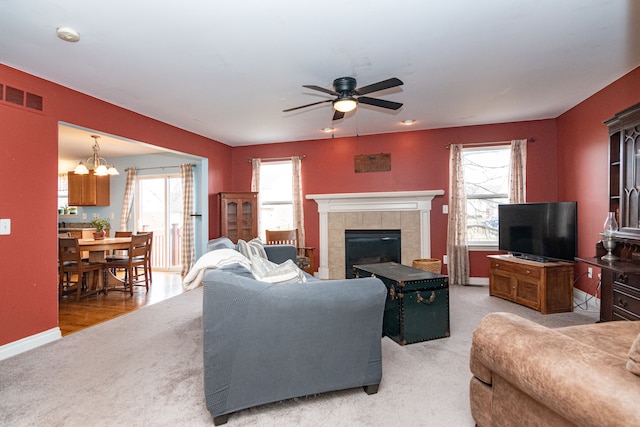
<point x="97" y="248"/>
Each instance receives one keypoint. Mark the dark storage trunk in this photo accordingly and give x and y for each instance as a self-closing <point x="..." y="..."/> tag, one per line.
<point x="417" y="306"/>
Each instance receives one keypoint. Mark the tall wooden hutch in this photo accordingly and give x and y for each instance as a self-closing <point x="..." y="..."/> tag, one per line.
<point x="620" y="285"/>
<point x="239" y="215"/>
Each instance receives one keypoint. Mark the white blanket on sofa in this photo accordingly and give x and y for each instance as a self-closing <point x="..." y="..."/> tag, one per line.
<point x="214" y="259"/>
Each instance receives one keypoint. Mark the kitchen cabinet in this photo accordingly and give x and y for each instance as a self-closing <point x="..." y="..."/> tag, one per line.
<point x="543" y="286"/>
<point x="239" y="215"/>
<point x="89" y="190"/>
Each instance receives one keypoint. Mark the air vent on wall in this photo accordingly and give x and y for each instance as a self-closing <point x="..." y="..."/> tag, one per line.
<point x="19" y="97"/>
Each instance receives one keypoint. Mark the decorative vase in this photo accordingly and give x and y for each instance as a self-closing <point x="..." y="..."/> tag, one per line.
<point x="98" y="235"/>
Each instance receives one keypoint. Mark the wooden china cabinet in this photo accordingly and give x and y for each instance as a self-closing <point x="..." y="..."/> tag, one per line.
<point x="239" y="215"/>
<point x="620" y="285"/>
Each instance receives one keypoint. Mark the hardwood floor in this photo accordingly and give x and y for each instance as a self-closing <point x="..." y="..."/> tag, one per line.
<point x="75" y="316"/>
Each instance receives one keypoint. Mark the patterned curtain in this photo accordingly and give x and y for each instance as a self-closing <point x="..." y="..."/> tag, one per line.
<point x="255" y="174"/>
<point x="255" y="183"/>
<point x="128" y="198"/>
<point x="186" y="170"/>
<point x="518" y="172"/>
<point x="298" y="212"/>
<point x="457" y="251"/>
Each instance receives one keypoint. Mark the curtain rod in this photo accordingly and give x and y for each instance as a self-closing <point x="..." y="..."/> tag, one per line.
<point x="489" y="143"/>
<point x="160" y="167"/>
<point x="274" y="159"/>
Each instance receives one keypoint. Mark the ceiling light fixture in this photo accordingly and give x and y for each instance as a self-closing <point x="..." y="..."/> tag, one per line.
<point x="100" y="166"/>
<point x="408" y="122"/>
<point x="327" y="130"/>
<point x="345" y="103"/>
<point x="68" y="34"/>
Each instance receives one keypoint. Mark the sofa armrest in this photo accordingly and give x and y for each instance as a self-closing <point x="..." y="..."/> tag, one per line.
<point x="280" y="253"/>
<point x="563" y="374"/>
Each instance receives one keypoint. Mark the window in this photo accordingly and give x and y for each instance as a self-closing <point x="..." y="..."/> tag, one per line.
<point x="486" y="179"/>
<point x="276" y="196"/>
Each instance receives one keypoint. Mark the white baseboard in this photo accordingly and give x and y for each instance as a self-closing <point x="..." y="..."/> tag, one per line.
<point x="30" y="342"/>
<point x="479" y="281"/>
<point x="585" y="301"/>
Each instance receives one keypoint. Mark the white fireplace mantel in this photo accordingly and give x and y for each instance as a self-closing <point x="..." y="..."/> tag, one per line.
<point x="373" y="201"/>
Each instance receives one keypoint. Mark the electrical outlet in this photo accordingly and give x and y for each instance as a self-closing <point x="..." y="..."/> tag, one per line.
<point x="445" y="259"/>
<point x="590" y="273"/>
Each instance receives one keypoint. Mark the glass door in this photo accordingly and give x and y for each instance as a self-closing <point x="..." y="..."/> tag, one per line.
<point x="158" y="208"/>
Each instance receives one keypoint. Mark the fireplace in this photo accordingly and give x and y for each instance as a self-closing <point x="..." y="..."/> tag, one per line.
<point x="408" y="211"/>
<point x="370" y="247"/>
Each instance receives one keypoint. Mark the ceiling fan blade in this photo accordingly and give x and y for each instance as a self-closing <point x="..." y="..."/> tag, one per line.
<point x="385" y="84"/>
<point x="321" y="89"/>
<point x="379" y="102"/>
<point x="337" y="115"/>
<point x="308" y="105"/>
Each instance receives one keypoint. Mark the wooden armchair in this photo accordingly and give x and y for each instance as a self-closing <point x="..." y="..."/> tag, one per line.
<point x="290" y="237"/>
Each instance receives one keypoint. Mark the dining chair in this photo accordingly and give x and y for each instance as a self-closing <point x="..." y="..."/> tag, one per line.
<point x="146" y="270"/>
<point x="149" y="248"/>
<point x="119" y="254"/>
<point x="71" y="264"/>
<point x="136" y="256"/>
<point x="305" y="259"/>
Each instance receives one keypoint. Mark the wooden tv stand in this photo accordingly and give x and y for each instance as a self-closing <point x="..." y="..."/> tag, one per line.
<point x="543" y="286"/>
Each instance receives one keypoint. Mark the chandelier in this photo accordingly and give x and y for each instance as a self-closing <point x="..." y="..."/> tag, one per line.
<point x="100" y="166"/>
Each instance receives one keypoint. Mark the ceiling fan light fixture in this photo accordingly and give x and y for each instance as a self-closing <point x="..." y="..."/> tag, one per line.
<point x="344" y="105"/>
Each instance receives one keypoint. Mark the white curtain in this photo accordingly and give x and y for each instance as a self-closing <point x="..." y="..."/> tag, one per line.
<point x="457" y="250"/>
<point x="188" y="235"/>
<point x="298" y="212"/>
<point x="518" y="172"/>
<point x="128" y="198"/>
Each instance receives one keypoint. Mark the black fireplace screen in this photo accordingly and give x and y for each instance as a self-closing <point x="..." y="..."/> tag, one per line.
<point x="370" y="247"/>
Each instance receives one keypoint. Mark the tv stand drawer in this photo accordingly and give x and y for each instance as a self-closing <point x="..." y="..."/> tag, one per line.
<point x="516" y="268"/>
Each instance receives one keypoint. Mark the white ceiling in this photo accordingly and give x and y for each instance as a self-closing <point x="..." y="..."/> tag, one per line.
<point x="226" y="70"/>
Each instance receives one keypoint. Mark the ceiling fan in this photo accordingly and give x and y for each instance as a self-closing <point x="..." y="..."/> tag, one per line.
<point x="348" y="96"/>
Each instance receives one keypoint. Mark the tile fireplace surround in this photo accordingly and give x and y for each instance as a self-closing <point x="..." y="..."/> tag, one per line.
<point x="408" y="211"/>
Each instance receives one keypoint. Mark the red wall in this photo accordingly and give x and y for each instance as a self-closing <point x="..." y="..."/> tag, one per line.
<point x="583" y="141"/>
<point x="419" y="161"/>
<point x="28" y="182"/>
<point x="566" y="162"/>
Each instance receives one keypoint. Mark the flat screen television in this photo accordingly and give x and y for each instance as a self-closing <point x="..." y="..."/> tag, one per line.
<point x="539" y="231"/>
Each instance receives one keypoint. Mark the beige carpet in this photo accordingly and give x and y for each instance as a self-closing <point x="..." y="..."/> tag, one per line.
<point x="145" y="369"/>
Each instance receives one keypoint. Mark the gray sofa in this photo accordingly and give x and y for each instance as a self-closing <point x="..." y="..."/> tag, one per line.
<point x="268" y="342"/>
